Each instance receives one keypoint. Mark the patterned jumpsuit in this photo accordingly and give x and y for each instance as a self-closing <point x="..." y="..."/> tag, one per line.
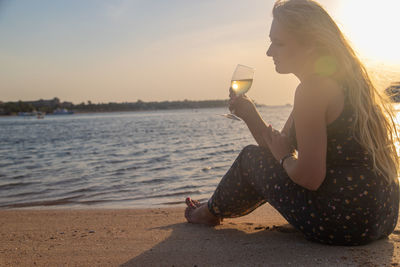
<point x="353" y="206"/>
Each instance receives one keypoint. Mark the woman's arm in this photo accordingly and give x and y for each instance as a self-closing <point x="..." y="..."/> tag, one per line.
<point x="288" y="125"/>
<point x="308" y="169"/>
<point x="258" y="129"/>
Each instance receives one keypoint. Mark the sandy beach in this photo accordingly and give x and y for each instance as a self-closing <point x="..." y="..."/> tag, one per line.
<point x="161" y="237"/>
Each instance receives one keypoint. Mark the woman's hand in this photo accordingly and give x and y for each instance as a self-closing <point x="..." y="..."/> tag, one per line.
<point x="277" y="142"/>
<point x="241" y="106"/>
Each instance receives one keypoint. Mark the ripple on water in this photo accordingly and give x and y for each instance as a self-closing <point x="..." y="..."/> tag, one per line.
<point x="15" y="185"/>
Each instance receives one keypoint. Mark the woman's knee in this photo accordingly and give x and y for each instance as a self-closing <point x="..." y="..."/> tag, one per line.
<point x="254" y="151"/>
<point x="249" y="156"/>
<point x="250" y="149"/>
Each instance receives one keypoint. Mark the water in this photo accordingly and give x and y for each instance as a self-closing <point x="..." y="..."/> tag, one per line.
<point x="119" y="160"/>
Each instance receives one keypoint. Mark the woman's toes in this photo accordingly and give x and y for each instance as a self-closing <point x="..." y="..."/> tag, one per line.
<point x="196" y="203"/>
<point x="189" y="203"/>
<point x="192" y="203"/>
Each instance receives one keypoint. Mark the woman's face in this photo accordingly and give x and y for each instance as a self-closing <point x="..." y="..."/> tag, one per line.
<point x="288" y="54"/>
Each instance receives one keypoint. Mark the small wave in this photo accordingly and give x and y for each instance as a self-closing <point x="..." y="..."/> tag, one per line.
<point x="81" y="190"/>
<point x="32" y="167"/>
<point x="206" y="178"/>
<point x="68" y="181"/>
<point x="138" y="153"/>
<point x="117" y="161"/>
<point x="55" y="202"/>
<point x="222" y="167"/>
<point x="19" y="177"/>
<point x="228" y="151"/>
<point x="14" y="185"/>
<point x="3" y="165"/>
<point x="215" y="146"/>
<point x="132" y="168"/>
<point x="181" y="193"/>
<point x="187" y="168"/>
<point x="160" y="168"/>
<point x="31" y="193"/>
<point x="25" y="157"/>
<point x="157" y="159"/>
<point x="153" y="181"/>
<point x="187" y="187"/>
<point x="199" y="159"/>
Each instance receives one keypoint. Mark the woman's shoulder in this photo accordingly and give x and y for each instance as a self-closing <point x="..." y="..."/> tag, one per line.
<point x="319" y="89"/>
<point x="320" y="95"/>
<point x="319" y="85"/>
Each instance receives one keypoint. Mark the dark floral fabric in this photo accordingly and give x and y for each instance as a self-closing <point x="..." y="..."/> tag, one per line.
<point x="353" y="206"/>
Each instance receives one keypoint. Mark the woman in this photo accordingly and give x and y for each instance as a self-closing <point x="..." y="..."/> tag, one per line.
<point x="332" y="171"/>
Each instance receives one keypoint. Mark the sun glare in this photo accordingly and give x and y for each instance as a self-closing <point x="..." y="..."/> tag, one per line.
<point x="372" y="27"/>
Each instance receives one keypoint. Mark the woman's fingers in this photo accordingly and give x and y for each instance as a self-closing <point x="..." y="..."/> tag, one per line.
<point x="231" y="93"/>
<point x="241" y="106"/>
<point x="231" y="104"/>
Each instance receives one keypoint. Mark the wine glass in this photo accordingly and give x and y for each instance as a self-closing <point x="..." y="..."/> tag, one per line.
<point x="241" y="82"/>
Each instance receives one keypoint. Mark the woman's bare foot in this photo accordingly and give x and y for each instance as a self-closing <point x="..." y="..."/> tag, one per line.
<point x="197" y="212"/>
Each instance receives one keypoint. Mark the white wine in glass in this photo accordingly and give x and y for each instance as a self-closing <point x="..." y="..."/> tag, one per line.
<point x="242" y="79"/>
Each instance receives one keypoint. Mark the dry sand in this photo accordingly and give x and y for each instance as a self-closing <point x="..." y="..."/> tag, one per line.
<point x="161" y="237"/>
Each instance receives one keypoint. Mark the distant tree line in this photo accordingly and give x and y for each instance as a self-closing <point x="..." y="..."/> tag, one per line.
<point x="49" y="106"/>
<point x="43" y="106"/>
<point x="141" y="105"/>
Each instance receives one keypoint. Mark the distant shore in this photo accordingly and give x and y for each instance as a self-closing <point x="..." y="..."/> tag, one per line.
<point x="52" y="106"/>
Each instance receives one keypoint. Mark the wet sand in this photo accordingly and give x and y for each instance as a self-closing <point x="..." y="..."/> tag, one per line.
<point x="161" y="237"/>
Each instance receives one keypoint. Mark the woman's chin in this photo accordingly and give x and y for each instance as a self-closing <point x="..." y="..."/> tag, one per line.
<point x="281" y="70"/>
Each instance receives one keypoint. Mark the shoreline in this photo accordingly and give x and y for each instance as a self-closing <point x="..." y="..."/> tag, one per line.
<point x="161" y="237"/>
<point x="79" y="112"/>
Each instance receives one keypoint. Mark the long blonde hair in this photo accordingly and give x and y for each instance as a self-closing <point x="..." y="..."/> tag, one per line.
<point x="374" y="125"/>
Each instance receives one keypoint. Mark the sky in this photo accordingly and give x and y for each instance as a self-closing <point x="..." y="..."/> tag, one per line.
<point x="156" y="50"/>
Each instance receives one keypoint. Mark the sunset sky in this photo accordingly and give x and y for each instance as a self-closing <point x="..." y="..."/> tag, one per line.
<point x="157" y="50"/>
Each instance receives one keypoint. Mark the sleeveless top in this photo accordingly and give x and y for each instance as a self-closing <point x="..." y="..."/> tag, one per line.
<point x="349" y="167"/>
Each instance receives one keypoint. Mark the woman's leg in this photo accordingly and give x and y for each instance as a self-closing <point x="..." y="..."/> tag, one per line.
<point x="236" y="194"/>
<point x="254" y="178"/>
